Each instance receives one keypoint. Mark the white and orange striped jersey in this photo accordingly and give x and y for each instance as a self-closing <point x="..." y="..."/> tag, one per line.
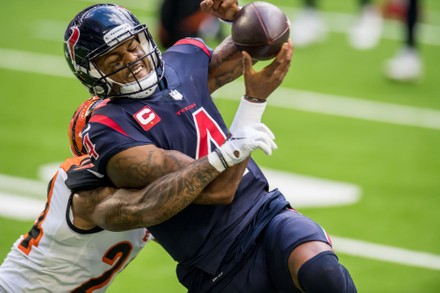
<point x="56" y="256"/>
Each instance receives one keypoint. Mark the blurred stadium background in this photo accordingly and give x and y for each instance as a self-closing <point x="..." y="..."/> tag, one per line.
<point x="337" y="119"/>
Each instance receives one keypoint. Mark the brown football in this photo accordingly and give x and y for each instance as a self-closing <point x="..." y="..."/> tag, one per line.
<point x="260" y="28"/>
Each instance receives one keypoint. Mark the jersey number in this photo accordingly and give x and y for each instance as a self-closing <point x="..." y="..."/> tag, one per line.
<point x="116" y="256"/>
<point x="208" y="132"/>
<point x="33" y="237"/>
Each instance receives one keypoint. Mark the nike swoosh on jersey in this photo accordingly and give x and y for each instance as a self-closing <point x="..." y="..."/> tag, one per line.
<point x="99" y="175"/>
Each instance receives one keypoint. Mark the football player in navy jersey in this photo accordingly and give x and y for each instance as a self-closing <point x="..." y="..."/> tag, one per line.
<point x="159" y="116"/>
<point x="90" y="230"/>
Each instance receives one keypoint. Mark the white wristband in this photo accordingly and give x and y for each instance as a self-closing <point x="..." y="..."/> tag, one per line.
<point x="247" y="113"/>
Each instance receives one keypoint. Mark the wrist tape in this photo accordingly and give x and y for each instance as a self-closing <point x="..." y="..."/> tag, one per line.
<point x="247" y="113"/>
<point x="217" y="160"/>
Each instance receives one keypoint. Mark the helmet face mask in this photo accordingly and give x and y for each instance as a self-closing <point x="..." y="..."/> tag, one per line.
<point x="140" y="87"/>
<point x="96" y="31"/>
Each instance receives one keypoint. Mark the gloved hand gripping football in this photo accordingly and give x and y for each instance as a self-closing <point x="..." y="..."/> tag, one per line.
<point x="240" y="145"/>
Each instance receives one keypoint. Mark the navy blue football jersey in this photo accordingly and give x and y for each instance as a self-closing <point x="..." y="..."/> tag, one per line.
<point x="181" y="116"/>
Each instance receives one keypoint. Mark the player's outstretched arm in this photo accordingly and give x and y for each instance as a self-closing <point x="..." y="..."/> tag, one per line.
<point x="225" y="65"/>
<point x="259" y="85"/>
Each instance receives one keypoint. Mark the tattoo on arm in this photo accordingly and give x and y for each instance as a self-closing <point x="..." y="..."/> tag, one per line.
<point x="131" y="171"/>
<point x="180" y="189"/>
<point x="225" y="66"/>
<point x="224" y="77"/>
<point x="161" y="199"/>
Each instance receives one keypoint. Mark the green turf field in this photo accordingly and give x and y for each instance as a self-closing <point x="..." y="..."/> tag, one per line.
<point x="335" y="118"/>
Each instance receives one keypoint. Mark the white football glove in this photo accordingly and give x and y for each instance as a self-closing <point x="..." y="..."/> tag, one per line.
<point x="238" y="147"/>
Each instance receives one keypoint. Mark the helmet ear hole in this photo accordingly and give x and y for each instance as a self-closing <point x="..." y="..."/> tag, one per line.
<point x="98" y="90"/>
<point x="102" y="85"/>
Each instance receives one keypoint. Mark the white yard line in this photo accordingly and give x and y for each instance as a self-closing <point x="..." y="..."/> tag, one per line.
<point x="23" y="187"/>
<point x="386" y="253"/>
<point x="344" y="106"/>
<point x="282" y="97"/>
<point x="31" y="62"/>
<point x="20" y="208"/>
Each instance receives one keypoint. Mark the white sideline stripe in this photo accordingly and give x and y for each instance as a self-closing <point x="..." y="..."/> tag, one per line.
<point x="21" y="208"/>
<point x="34" y="63"/>
<point x="305" y="191"/>
<point x="343" y="106"/>
<point x="282" y="97"/>
<point x="386" y="253"/>
<point x="18" y="185"/>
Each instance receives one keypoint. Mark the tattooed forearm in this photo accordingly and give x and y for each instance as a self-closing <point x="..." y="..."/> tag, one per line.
<point x="222" y="54"/>
<point x="225" y="66"/>
<point x="178" y="191"/>
<point x="138" y="169"/>
<point x="224" y="77"/>
<point x="163" y="198"/>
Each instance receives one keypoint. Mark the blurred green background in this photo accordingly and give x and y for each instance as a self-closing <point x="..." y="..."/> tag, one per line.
<point x="395" y="163"/>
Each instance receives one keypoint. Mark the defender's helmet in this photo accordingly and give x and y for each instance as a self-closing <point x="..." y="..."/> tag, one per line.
<point x="99" y="29"/>
<point x="78" y="123"/>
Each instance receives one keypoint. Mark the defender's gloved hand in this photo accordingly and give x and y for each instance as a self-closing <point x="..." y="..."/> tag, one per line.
<point x="238" y="147"/>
